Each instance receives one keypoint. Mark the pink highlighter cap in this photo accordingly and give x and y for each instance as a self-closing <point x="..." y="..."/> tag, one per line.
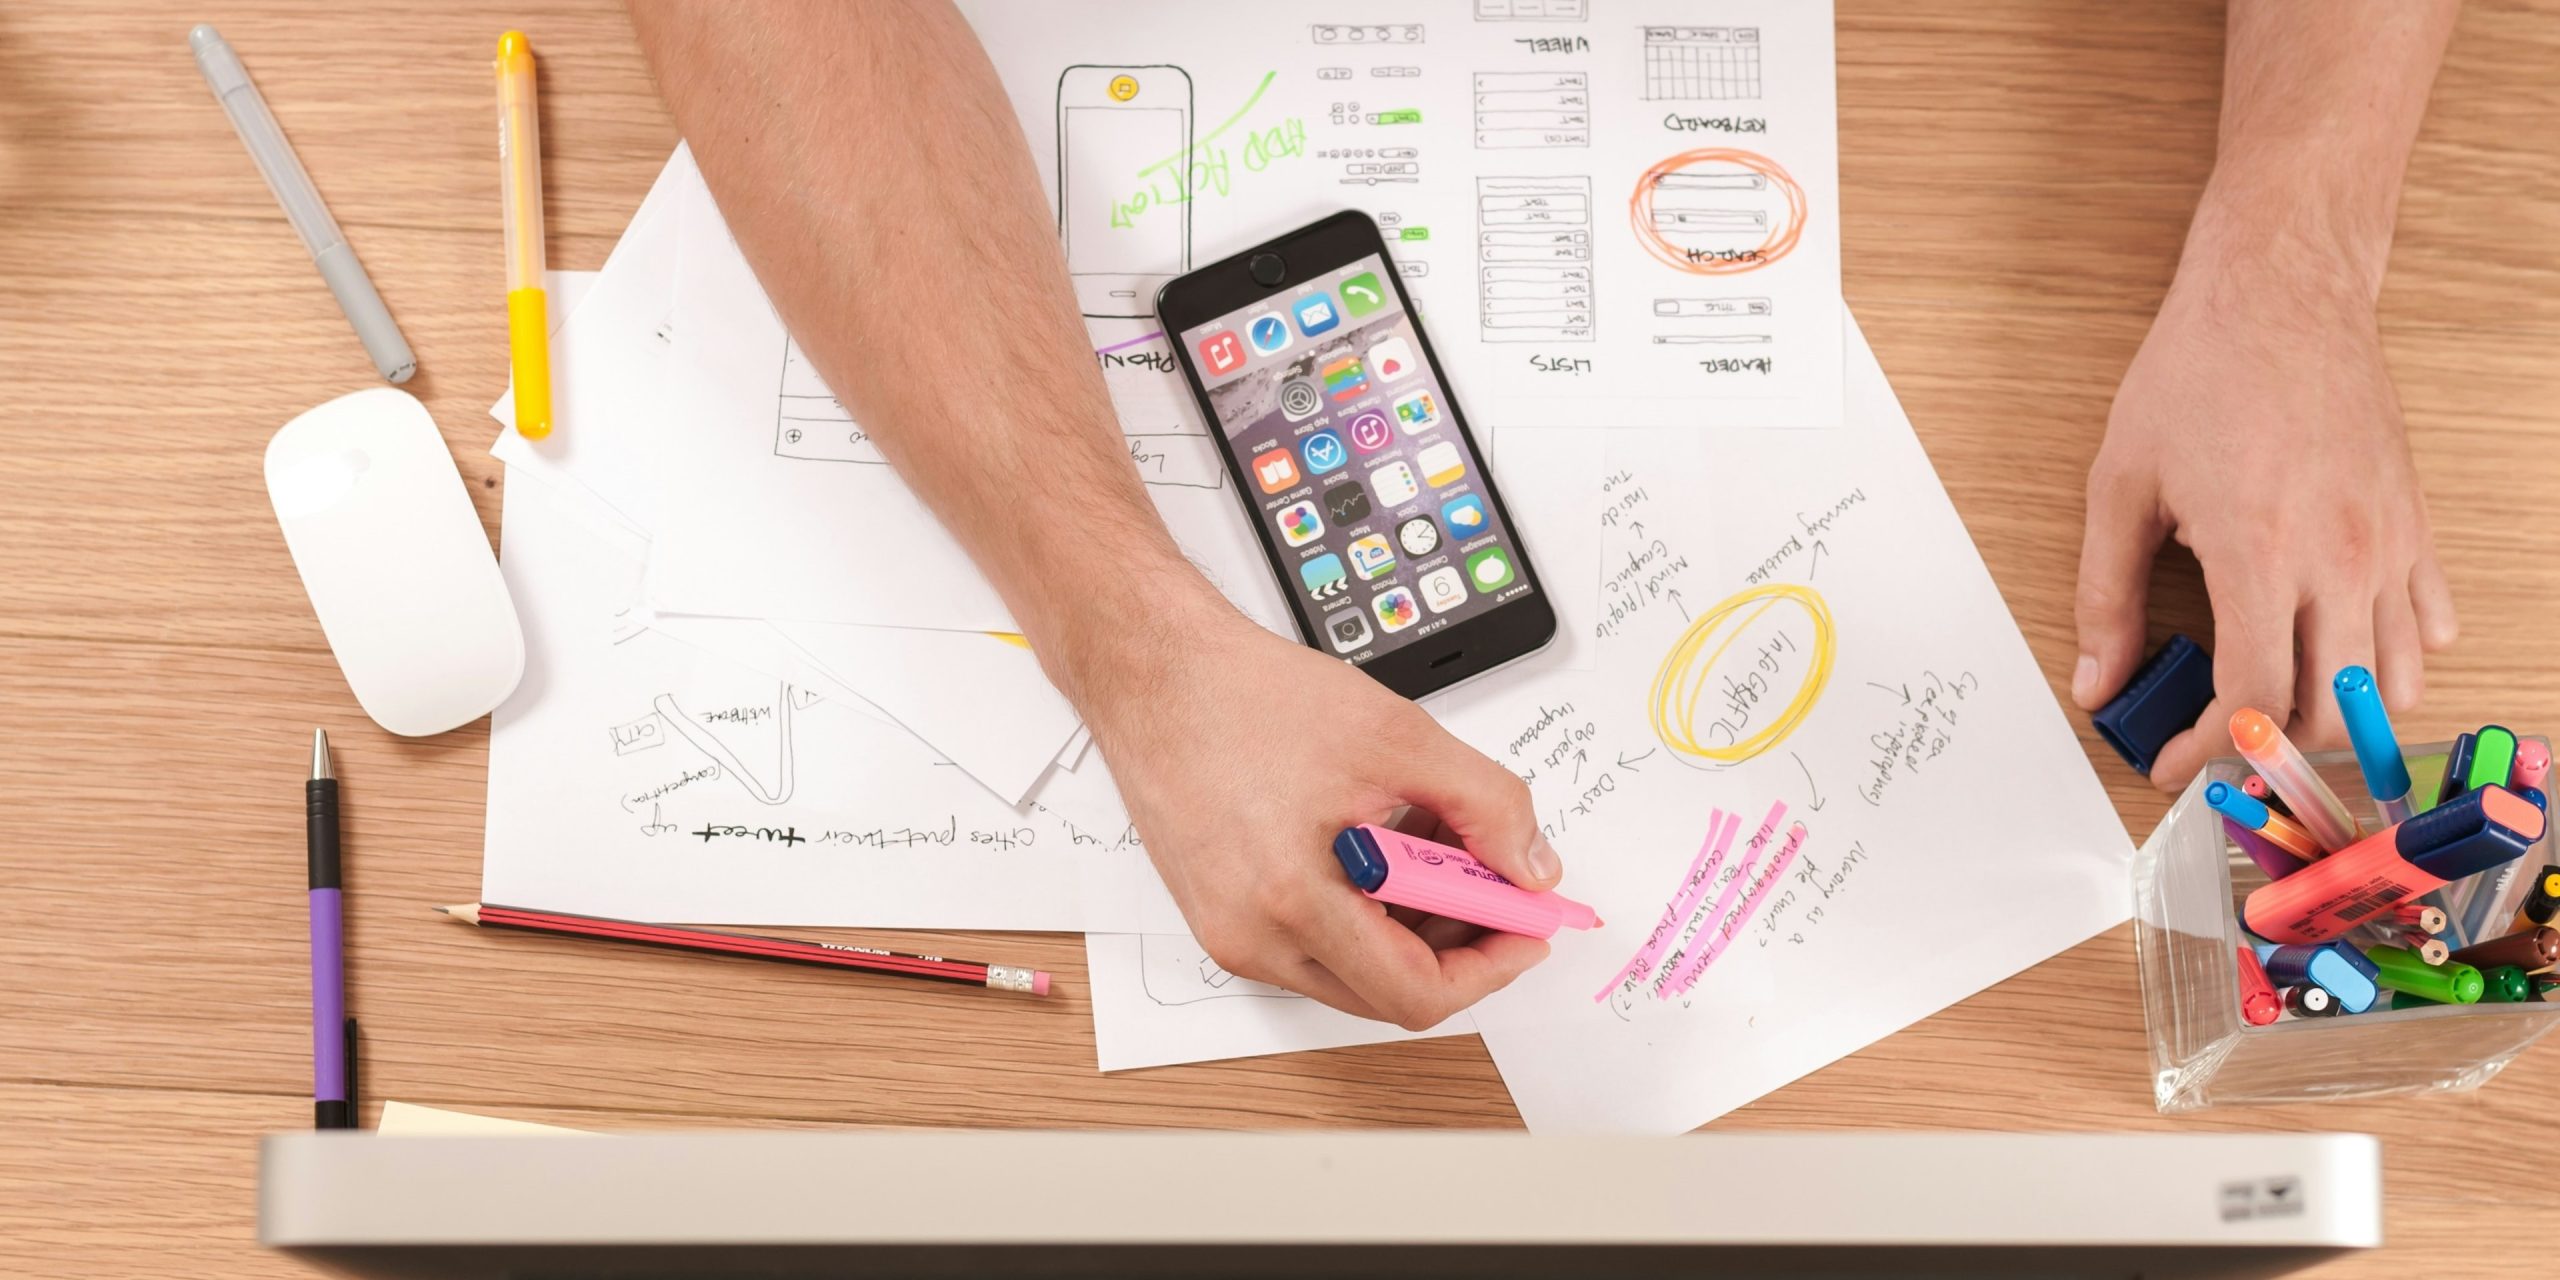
<point x="1426" y="875"/>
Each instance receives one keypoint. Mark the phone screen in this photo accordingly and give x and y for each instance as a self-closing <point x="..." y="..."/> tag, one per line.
<point x="1384" y="517"/>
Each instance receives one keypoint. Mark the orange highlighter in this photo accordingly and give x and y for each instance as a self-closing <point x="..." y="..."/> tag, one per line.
<point x="520" y="169"/>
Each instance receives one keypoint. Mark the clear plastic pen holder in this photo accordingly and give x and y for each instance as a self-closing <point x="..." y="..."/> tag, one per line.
<point x="2188" y="882"/>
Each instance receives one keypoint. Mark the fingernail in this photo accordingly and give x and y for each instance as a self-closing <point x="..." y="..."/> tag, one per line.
<point x="1543" y="862"/>
<point x="2084" y="680"/>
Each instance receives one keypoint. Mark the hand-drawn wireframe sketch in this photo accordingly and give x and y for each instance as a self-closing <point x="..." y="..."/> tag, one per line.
<point x="1533" y="252"/>
<point x="1717" y="211"/>
<point x="1682" y="63"/>
<point x="1532" y="109"/>
<point x="1366" y="33"/>
<point x="1532" y="10"/>
<point x="1176" y="971"/>
<point x="1694" y="308"/>
<point x="1709" y="339"/>
<point x="809" y="422"/>
<point x="708" y="743"/>
<point x="639" y="735"/>
<point x="1124" y="179"/>
<point x="1398" y="72"/>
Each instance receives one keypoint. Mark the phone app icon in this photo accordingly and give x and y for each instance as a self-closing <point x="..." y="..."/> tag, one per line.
<point x="1221" y="353"/>
<point x="1393" y="484"/>
<point x="1371" y="558"/>
<point x="1441" y="464"/>
<point x="1418" y="412"/>
<point x="1348" y="630"/>
<point x="1323" y="452"/>
<point x="1268" y="333"/>
<point x="1464" y="516"/>
<point x="1299" y="399"/>
<point x="1491" y="569"/>
<point x="1395" y="609"/>
<point x="1325" y="579"/>
<point x="1361" y="294"/>
<point x="1344" y="379"/>
<point x="1443" y="589"/>
<point x="1369" y="431"/>
<point x="1418" y="536"/>
<point x="1275" y="471"/>
<point x="1316" y="315"/>
<point x="1348" y="504"/>
<point x="1299" y="524"/>
<point x="1392" y="359"/>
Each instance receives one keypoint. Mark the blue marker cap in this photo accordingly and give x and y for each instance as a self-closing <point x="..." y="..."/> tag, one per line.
<point x="1361" y="858"/>
<point x="2163" y="699"/>
<point x="2238" y="805"/>
<point x="2335" y="966"/>
<point x="2540" y="801"/>
<point x="2386" y="773"/>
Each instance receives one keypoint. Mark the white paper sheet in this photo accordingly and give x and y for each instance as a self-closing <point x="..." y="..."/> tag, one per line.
<point x="634" y="776"/>
<point x="1801" y="641"/>
<point x="1928" y="763"/>
<point x="1159" y="999"/>
<point x="410" y="1120"/>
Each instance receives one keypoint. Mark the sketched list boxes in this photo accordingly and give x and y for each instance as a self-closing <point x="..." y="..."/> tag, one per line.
<point x="1532" y="10"/>
<point x="1533" y="250"/>
<point x="1532" y="109"/>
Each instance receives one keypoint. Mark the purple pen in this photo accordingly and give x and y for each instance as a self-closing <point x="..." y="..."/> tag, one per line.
<point x="333" y="1095"/>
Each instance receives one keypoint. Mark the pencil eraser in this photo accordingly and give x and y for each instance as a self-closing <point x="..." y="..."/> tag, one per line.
<point x="2163" y="699"/>
<point x="1039" y="983"/>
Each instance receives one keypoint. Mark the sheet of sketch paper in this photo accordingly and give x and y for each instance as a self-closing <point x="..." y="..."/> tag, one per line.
<point x="1611" y="214"/>
<point x="611" y="385"/>
<point x="774" y="503"/>
<point x="1813" y="728"/>
<point x="1159" y="999"/>
<point x="634" y="776"/>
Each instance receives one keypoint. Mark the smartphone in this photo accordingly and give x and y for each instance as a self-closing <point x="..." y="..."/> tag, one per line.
<point x="1124" y="174"/>
<point x="1354" y="460"/>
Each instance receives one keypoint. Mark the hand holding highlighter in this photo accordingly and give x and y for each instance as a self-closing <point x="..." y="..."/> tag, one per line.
<point x="1426" y="875"/>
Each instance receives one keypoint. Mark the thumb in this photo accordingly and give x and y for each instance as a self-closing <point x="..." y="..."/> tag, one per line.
<point x="1485" y="806"/>
<point x="2123" y="535"/>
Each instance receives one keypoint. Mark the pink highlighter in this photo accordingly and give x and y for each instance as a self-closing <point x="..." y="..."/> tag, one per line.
<point x="1426" y="875"/>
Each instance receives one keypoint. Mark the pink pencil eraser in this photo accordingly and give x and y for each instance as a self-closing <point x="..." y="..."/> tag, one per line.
<point x="1039" y="983"/>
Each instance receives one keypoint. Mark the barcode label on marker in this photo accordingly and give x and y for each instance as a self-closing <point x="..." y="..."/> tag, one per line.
<point x="2370" y="903"/>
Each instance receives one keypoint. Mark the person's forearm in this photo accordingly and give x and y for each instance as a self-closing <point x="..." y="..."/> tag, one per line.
<point x="871" y="168"/>
<point x="2321" y="101"/>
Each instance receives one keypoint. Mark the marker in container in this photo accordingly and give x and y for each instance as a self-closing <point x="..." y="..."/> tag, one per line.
<point x="2386" y="771"/>
<point x="2271" y="861"/>
<point x="2256" y="788"/>
<point x="2401" y="970"/>
<point x="2259" y="1004"/>
<point x="2336" y="967"/>
<point x="2482" y="829"/>
<point x="2457" y="769"/>
<point x="2541" y="800"/>
<point x="1426" y="875"/>
<point x="2533" y="950"/>
<point x="2277" y="760"/>
<point x="2282" y="832"/>
<point x="2543" y="985"/>
<point x="2505" y="984"/>
<point x="2533" y="766"/>
<point x="2541" y="903"/>
<point x="2309" y="1001"/>
<point x="2425" y="919"/>
<point x="2493" y="758"/>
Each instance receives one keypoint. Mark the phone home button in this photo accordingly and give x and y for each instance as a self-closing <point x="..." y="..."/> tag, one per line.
<point x="1268" y="269"/>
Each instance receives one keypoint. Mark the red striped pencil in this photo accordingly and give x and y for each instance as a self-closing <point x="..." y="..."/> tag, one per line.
<point x="1002" y="977"/>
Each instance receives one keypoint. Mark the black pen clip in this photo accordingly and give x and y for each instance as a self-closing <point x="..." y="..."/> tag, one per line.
<point x="354" y="1104"/>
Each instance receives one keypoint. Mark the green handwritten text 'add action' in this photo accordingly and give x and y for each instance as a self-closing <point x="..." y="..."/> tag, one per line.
<point x="1206" y="166"/>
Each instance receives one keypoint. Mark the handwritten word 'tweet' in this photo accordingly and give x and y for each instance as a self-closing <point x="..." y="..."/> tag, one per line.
<point x="1205" y="166"/>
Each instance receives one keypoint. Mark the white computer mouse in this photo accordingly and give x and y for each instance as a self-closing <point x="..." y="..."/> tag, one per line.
<point x="395" y="561"/>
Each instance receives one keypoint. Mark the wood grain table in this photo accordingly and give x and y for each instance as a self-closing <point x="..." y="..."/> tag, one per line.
<point x="2017" y="178"/>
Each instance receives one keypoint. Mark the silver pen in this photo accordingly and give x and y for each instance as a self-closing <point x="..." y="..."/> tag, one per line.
<point x="284" y="174"/>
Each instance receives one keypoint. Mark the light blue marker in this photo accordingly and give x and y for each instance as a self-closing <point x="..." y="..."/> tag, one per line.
<point x="2386" y="774"/>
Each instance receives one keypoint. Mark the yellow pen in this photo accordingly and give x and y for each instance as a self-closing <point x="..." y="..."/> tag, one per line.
<point x="520" y="165"/>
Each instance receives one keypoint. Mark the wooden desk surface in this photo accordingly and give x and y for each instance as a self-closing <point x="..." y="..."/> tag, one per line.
<point x="2018" y="175"/>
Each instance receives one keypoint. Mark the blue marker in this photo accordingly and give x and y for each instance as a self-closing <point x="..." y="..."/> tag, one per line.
<point x="2386" y="773"/>
<point x="2341" y="969"/>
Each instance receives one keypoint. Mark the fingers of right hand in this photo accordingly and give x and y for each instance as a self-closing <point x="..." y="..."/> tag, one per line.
<point x="1485" y="805"/>
<point x="1396" y="973"/>
<point x="2122" y="534"/>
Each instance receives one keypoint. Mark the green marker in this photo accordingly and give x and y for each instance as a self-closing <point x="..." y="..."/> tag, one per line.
<point x="2505" y="984"/>
<point x="2403" y="970"/>
<point x="2493" y="758"/>
<point x="2426" y="777"/>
